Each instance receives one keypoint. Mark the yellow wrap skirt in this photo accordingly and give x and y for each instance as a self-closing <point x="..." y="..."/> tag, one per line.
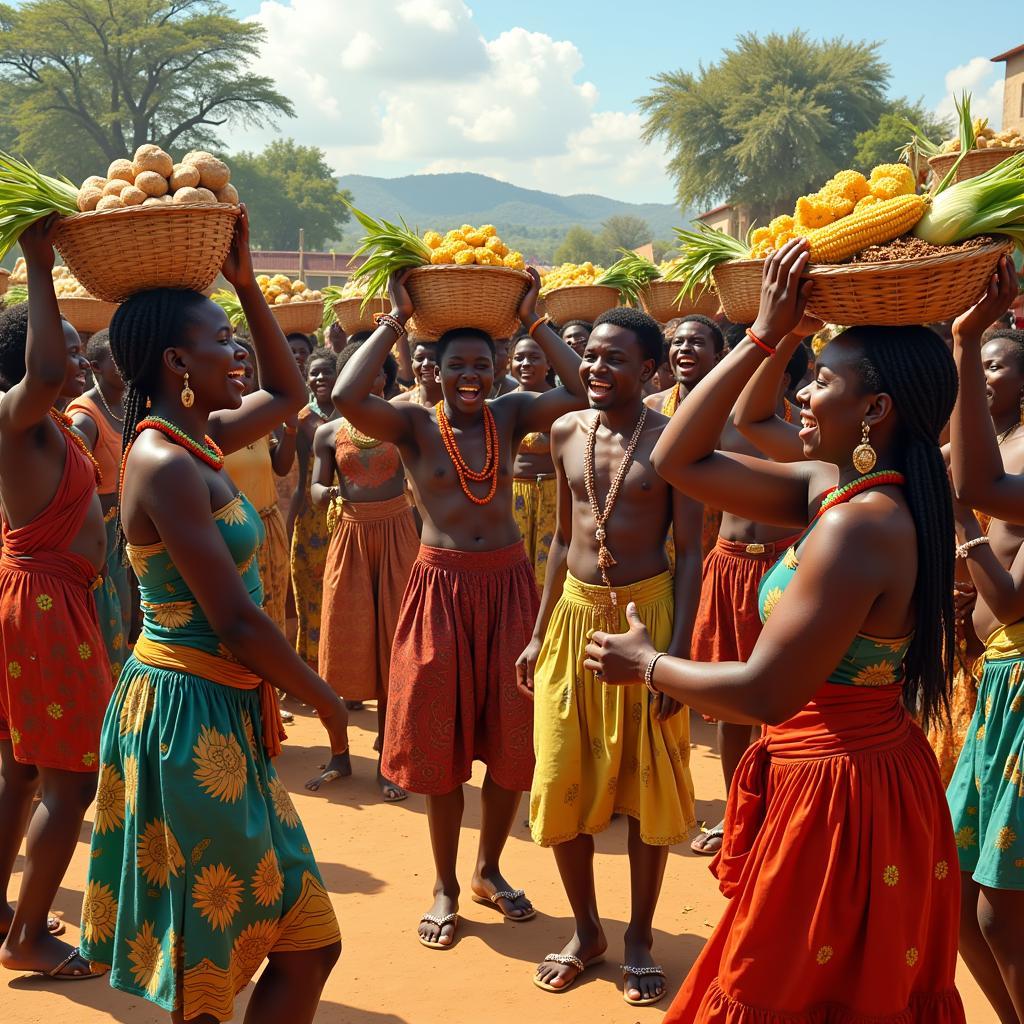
<point x="600" y="750"/>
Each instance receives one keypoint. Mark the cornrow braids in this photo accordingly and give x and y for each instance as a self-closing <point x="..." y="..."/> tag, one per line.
<point x="142" y="328"/>
<point x="914" y="367"/>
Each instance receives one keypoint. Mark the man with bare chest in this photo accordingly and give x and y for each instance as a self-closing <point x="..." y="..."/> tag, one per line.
<point x="469" y="606"/>
<point x="605" y="750"/>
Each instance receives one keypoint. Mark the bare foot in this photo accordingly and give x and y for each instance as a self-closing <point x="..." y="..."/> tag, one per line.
<point x="392" y="794"/>
<point x="339" y="767"/>
<point x="54" y="925"/>
<point x="588" y="949"/>
<point x="518" y="908"/>
<point x="44" y="957"/>
<point x="443" y="935"/>
<point x="641" y="987"/>
<point x="709" y="842"/>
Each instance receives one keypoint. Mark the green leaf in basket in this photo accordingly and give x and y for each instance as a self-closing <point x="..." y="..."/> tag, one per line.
<point x="26" y="196"/>
<point x="228" y="301"/>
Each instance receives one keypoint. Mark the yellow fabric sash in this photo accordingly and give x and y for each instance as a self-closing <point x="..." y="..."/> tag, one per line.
<point x="194" y="662"/>
<point x="1006" y="642"/>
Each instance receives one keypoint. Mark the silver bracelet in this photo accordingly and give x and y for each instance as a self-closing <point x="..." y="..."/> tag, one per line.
<point x="963" y="549"/>
<point x="649" y="673"/>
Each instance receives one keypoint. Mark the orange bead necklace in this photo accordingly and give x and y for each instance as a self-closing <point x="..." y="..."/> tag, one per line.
<point x="67" y="428"/>
<point x="462" y="470"/>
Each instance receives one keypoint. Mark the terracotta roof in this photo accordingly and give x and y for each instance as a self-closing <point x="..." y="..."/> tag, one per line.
<point x="1008" y="54"/>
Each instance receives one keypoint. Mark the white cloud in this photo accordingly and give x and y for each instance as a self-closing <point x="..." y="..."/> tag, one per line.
<point x="984" y="81"/>
<point x="406" y="86"/>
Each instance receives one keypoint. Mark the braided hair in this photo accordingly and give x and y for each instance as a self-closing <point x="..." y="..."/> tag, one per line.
<point x="914" y="367"/>
<point x="143" y="327"/>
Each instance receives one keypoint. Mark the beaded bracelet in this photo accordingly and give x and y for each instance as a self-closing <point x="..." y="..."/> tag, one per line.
<point x="963" y="549"/>
<point x="536" y="323"/>
<point x="759" y="343"/>
<point x="389" y="321"/>
<point x="649" y="673"/>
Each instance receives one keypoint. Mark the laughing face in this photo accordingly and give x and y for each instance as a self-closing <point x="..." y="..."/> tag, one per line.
<point x="321" y="373"/>
<point x="530" y="365"/>
<point x="467" y="374"/>
<point x="76" y="368"/>
<point x="692" y="353"/>
<point x="213" y="358"/>
<point x="613" y="369"/>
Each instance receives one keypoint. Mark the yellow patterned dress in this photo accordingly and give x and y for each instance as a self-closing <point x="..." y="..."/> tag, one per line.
<point x="199" y="864"/>
<point x="534" y="502"/>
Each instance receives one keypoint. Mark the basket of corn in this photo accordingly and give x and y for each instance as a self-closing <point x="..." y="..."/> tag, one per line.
<point x="879" y="252"/>
<point x="662" y="298"/>
<point x="345" y="305"/>
<point x="577" y="291"/>
<point x="465" y="278"/>
<point x="148" y="223"/>
<point x="981" y="145"/>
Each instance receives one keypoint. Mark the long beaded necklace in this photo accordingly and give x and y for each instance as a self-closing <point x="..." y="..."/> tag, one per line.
<point x="880" y="478"/>
<point x="209" y="453"/>
<point x="787" y="409"/>
<point x="106" y="405"/>
<point x="604" y="557"/>
<point x="67" y="428"/>
<point x="462" y="470"/>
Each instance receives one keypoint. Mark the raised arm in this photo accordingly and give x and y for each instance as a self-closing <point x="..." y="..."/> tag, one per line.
<point x="554" y="578"/>
<point x="28" y="402"/>
<point x="353" y="391"/>
<point x="321" y="487"/>
<point x="803" y="641"/>
<point x="282" y="458"/>
<point x="174" y="496"/>
<point x="1001" y="589"/>
<point x="979" y="478"/>
<point x="755" y="413"/>
<point x="686" y="455"/>
<point x="282" y="391"/>
<point x="539" y="411"/>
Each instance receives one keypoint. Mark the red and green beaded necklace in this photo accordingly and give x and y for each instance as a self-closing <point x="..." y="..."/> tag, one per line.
<point x="209" y="453"/>
<point x="880" y="478"/>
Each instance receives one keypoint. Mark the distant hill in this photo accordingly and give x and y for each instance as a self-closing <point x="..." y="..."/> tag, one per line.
<point x="446" y="200"/>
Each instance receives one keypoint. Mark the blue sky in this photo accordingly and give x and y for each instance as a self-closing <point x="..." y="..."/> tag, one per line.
<point x="586" y="64"/>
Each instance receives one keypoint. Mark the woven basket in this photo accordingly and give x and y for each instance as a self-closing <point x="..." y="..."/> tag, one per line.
<point x="5" y="280"/>
<point x="446" y="296"/>
<point x="352" y="320"/>
<point x="115" y="253"/>
<point x="738" y="284"/>
<point x="580" y="302"/>
<point x="977" y="161"/>
<point x="85" y="314"/>
<point x="922" y="291"/>
<point x="659" y="301"/>
<point x="299" y="317"/>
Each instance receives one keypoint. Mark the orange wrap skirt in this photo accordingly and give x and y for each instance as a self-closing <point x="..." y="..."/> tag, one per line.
<point x="465" y="619"/>
<point x="370" y="557"/>
<point x="729" y="615"/>
<point x="841" y="872"/>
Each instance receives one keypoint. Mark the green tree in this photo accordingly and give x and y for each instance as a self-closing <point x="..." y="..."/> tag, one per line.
<point x="624" y="231"/>
<point x="288" y="187"/>
<point x="882" y="143"/>
<point x="83" y="82"/>
<point x="580" y="245"/>
<point x="775" y="117"/>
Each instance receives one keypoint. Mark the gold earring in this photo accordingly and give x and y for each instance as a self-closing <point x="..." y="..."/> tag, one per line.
<point x="188" y="396"/>
<point x="864" y="456"/>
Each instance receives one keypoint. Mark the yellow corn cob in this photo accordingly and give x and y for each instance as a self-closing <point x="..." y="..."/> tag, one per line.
<point x="877" y="223"/>
<point x="901" y="172"/>
<point x="887" y="188"/>
<point x="851" y="185"/>
<point x="760" y="235"/>
<point x="811" y="212"/>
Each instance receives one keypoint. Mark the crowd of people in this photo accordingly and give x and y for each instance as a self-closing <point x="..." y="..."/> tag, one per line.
<point x="541" y="553"/>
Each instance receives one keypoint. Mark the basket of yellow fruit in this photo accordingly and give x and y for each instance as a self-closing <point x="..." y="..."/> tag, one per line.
<point x="465" y="278"/>
<point x="84" y="312"/>
<point x="297" y="308"/>
<point x="879" y="252"/>
<point x="148" y="223"/>
<point x="576" y="291"/>
<point x="348" y="309"/>
<point x="985" y="147"/>
<point x="662" y="300"/>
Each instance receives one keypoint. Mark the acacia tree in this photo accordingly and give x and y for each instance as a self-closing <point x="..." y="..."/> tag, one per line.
<point x="775" y="117"/>
<point x="83" y="82"/>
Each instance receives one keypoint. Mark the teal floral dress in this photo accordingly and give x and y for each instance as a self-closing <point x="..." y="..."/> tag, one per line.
<point x="199" y="864"/>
